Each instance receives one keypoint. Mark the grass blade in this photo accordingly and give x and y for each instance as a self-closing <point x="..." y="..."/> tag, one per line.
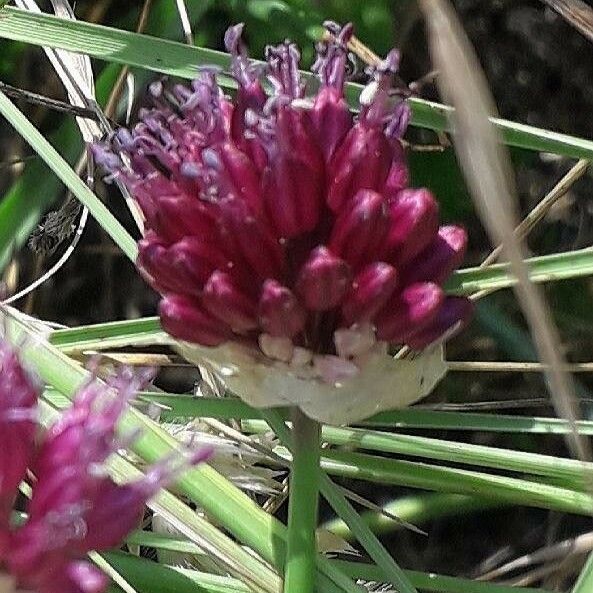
<point x="177" y="59"/>
<point x="449" y="479"/>
<point x="569" y="470"/>
<point x="63" y="170"/>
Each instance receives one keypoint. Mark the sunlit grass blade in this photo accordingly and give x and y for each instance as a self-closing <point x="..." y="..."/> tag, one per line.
<point x="545" y="268"/>
<point x="144" y="574"/>
<point x="432" y="419"/>
<point x="113" y="334"/>
<point x="364" y="535"/>
<point x="426" y="476"/>
<point x="63" y="170"/>
<point x="415" y="509"/>
<point x="454" y="452"/>
<point x="177" y="59"/>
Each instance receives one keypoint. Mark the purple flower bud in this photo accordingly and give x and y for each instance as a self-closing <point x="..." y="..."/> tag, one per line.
<point x="453" y="315"/>
<point x="82" y="577"/>
<point x="280" y="313"/>
<point x="179" y="216"/>
<point x="293" y="183"/>
<point x="413" y="225"/>
<point x="184" y="319"/>
<point x="193" y="260"/>
<point x="331" y="119"/>
<point x="413" y="309"/>
<point x="331" y="115"/>
<point x="361" y="162"/>
<point x="83" y="438"/>
<point x="227" y="301"/>
<point x="359" y="229"/>
<point x="253" y="241"/>
<point x="59" y="576"/>
<point x="154" y="264"/>
<point x="440" y="258"/>
<point x="398" y="176"/>
<point x="237" y="175"/>
<point x="75" y="507"/>
<point x="18" y="404"/>
<point x="184" y="267"/>
<point x="323" y="280"/>
<point x="371" y="289"/>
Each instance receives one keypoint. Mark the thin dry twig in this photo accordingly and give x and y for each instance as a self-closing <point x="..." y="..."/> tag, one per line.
<point x="543" y="206"/>
<point x="537" y="214"/>
<point x="488" y="173"/>
<point x="513" y="366"/>
<point x="274" y="502"/>
<point x="581" y="544"/>
<point x="577" y="13"/>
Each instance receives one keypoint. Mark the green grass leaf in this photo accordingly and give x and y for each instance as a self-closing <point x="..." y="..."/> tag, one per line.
<point x="177" y="59"/>
<point x="545" y="268"/>
<point x="63" y="170"/>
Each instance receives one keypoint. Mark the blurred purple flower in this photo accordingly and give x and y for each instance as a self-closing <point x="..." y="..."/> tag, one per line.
<point x="286" y="217"/>
<point x="75" y="507"/>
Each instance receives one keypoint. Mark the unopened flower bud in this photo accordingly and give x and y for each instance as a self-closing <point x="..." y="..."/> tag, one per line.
<point x="228" y="302"/>
<point x="18" y="403"/>
<point x="440" y="258"/>
<point x="409" y="311"/>
<point x="413" y="225"/>
<point x="371" y="289"/>
<point x="183" y="318"/>
<point x="293" y="185"/>
<point x="280" y="313"/>
<point x="360" y="229"/>
<point x="453" y="315"/>
<point x="323" y="280"/>
<point x="361" y="162"/>
<point x="253" y="242"/>
<point x="332" y="119"/>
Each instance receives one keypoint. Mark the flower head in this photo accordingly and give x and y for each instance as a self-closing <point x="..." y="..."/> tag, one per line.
<point x="280" y="221"/>
<point x="75" y="506"/>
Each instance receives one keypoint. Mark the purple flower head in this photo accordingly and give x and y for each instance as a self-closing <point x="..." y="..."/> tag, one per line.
<point x="75" y="507"/>
<point x="283" y="219"/>
<point x="18" y="405"/>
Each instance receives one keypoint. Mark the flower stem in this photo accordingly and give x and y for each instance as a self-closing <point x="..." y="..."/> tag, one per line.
<point x="302" y="506"/>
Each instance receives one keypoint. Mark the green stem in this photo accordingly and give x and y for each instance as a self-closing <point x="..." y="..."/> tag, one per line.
<point x="302" y="506"/>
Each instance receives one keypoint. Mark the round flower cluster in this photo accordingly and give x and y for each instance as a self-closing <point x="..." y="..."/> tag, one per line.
<point x="75" y="506"/>
<point x="285" y="222"/>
